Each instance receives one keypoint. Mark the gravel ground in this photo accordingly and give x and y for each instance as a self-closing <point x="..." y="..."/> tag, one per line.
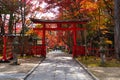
<point x="106" y="73"/>
<point x="15" y="72"/>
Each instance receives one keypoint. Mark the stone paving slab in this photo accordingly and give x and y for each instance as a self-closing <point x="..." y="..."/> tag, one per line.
<point x="59" y="67"/>
<point x="11" y="76"/>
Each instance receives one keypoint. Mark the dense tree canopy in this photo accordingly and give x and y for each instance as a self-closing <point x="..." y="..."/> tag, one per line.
<point x="99" y="12"/>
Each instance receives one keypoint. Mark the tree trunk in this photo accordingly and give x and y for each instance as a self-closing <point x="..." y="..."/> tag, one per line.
<point x="10" y="31"/>
<point x="2" y="24"/>
<point x="117" y="28"/>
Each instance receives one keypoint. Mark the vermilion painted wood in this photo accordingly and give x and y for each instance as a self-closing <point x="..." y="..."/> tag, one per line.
<point x="4" y="58"/>
<point x="60" y="29"/>
<point x="78" y="21"/>
<point x="37" y="50"/>
<point x="80" y="50"/>
<point x="59" y="22"/>
<point x="74" y="40"/>
<point x="43" y="42"/>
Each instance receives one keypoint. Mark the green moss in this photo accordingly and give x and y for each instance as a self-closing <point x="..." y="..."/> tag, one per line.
<point x="92" y="61"/>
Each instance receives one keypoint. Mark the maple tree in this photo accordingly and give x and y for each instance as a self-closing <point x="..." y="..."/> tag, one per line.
<point x="99" y="12"/>
<point x="73" y="11"/>
<point x="10" y="7"/>
<point x="77" y="10"/>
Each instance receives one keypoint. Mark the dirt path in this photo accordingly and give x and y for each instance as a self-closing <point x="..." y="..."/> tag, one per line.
<point x="106" y="73"/>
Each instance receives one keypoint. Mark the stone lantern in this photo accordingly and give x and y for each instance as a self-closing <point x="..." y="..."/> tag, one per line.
<point x="15" y="50"/>
<point x="102" y="49"/>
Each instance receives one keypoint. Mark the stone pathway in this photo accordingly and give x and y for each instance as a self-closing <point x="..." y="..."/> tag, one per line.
<point x="59" y="66"/>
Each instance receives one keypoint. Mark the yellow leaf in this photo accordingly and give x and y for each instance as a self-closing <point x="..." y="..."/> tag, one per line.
<point x="108" y="41"/>
<point x="38" y="26"/>
<point x="103" y="27"/>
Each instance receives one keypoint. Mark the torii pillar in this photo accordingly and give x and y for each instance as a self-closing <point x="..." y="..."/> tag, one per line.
<point x="43" y="41"/>
<point x="74" y="40"/>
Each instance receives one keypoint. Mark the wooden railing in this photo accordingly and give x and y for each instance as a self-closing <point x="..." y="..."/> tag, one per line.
<point x="37" y="50"/>
<point x="81" y="50"/>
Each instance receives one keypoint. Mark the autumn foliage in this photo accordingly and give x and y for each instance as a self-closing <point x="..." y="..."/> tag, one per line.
<point x="100" y="13"/>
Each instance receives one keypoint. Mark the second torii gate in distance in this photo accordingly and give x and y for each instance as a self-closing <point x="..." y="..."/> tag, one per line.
<point x="74" y="28"/>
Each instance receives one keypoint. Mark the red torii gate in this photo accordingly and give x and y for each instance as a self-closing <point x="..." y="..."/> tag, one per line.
<point x="59" y="22"/>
